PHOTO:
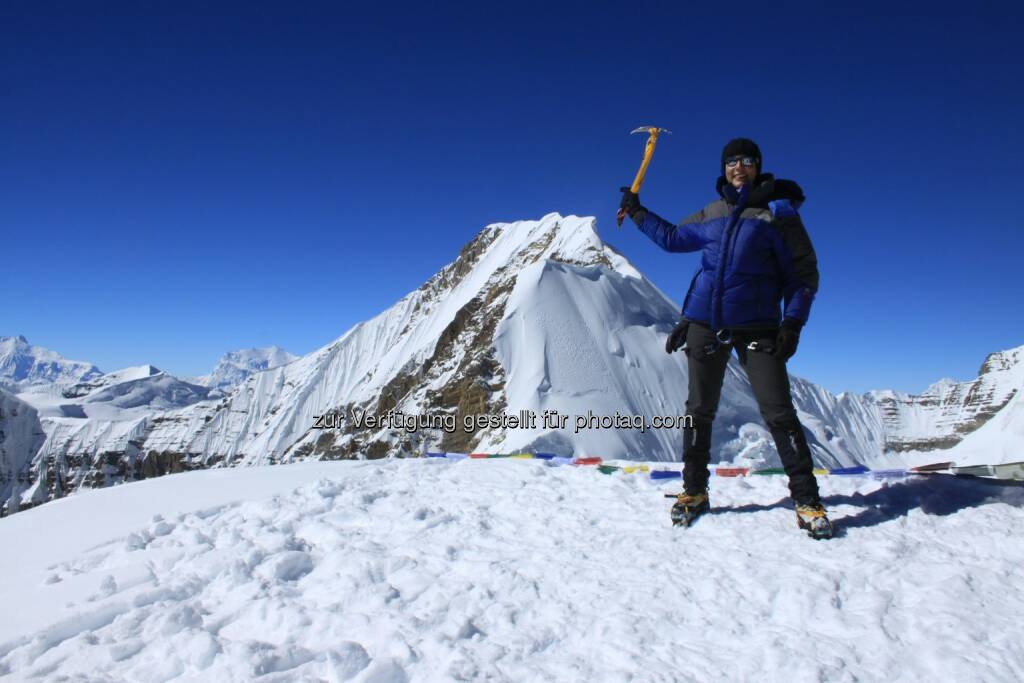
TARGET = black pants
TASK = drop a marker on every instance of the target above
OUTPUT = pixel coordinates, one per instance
(707, 360)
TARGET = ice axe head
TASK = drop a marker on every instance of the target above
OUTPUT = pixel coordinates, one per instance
(652, 138)
(652, 130)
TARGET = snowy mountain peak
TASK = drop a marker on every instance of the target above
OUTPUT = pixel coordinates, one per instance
(273, 354)
(23, 365)
(136, 372)
(1010, 360)
(80, 389)
(566, 239)
(939, 387)
(234, 367)
(434, 352)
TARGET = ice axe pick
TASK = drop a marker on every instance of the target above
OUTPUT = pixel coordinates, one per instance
(652, 140)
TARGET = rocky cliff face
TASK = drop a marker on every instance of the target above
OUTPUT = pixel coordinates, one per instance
(21, 435)
(948, 411)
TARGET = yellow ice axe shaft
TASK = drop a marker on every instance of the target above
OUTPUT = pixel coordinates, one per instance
(652, 140)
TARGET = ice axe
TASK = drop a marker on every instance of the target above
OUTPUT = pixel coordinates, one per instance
(652, 139)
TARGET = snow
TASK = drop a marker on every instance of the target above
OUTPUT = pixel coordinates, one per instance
(1000, 440)
(509, 570)
(127, 374)
(24, 365)
(21, 435)
(950, 409)
(580, 338)
(126, 394)
(235, 366)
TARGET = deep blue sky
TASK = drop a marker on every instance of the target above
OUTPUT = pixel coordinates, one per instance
(178, 181)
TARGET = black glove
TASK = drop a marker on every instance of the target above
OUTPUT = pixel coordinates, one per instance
(787, 339)
(630, 201)
(677, 337)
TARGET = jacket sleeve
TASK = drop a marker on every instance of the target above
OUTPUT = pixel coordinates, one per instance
(687, 236)
(797, 261)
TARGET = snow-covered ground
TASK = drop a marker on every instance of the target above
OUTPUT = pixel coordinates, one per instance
(431, 570)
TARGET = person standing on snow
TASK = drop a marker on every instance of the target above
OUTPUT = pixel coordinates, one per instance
(755, 254)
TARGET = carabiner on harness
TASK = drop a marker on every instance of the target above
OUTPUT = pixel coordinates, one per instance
(759, 346)
(722, 338)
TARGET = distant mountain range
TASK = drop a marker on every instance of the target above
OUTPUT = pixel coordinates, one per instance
(235, 366)
(23, 365)
(530, 317)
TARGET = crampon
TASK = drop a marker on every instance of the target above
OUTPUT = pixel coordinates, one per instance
(813, 520)
(688, 507)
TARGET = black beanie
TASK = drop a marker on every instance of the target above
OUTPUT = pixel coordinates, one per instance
(741, 147)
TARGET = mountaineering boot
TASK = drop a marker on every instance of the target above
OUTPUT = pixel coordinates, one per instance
(812, 519)
(688, 507)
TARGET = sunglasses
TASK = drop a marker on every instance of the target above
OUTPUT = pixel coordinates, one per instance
(733, 162)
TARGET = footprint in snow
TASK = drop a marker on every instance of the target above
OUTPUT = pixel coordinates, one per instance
(290, 565)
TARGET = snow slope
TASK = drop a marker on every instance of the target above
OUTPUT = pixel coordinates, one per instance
(509, 571)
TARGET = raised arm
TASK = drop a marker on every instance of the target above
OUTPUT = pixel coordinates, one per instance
(683, 237)
(687, 236)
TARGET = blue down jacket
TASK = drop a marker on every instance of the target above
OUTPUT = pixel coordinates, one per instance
(755, 254)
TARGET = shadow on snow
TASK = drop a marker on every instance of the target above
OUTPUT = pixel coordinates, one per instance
(935, 494)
